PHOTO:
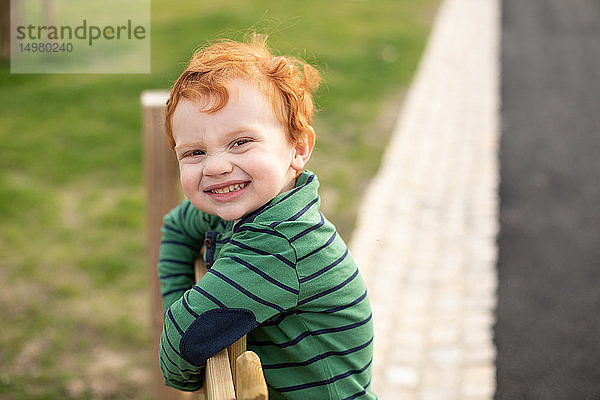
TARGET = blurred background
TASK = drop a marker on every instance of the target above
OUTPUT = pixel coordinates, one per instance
(74, 297)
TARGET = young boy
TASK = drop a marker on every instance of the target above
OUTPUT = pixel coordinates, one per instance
(239, 120)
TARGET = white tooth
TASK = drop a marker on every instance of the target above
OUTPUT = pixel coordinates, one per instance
(228, 189)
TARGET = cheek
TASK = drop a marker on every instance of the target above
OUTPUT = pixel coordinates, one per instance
(267, 167)
(277, 157)
(188, 178)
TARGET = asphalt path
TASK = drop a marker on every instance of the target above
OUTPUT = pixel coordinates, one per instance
(548, 321)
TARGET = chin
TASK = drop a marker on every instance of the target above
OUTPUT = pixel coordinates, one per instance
(230, 215)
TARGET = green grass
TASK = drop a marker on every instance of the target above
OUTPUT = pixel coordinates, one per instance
(73, 304)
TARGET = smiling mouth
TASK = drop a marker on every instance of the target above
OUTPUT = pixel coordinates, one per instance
(229, 189)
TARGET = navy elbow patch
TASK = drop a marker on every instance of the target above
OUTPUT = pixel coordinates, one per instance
(213, 331)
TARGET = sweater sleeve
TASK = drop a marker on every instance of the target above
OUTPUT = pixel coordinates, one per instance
(253, 279)
(182, 238)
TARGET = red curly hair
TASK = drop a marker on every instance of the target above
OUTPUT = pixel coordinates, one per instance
(287, 82)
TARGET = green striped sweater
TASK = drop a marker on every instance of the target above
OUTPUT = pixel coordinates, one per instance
(282, 276)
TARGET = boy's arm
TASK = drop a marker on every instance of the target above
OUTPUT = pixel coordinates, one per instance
(253, 279)
(182, 238)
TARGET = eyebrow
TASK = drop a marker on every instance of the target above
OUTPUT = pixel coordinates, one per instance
(186, 146)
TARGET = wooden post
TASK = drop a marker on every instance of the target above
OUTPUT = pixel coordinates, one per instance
(218, 383)
(234, 351)
(162, 194)
(5, 24)
(219, 375)
(250, 381)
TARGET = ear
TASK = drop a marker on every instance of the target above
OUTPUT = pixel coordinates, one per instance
(303, 149)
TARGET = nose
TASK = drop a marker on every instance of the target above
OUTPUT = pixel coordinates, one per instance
(217, 164)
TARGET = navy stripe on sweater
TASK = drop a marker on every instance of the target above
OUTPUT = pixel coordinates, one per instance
(172, 347)
(263, 253)
(320, 248)
(264, 275)
(163, 365)
(319, 357)
(186, 274)
(244, 291)
(327, 268)
(286, 314)
(170, 314)
(298, 214)
(303, 335)
(325, 381)
(185, 301)
(260, 230)
(170, 228)
(173, 362)
(294, 191)
(355, 302)
(174, 291)
(182, 216)
(209, 296)
(171, 260)
(333, 289)
(189, 246)
(362, 392)
(309, 230)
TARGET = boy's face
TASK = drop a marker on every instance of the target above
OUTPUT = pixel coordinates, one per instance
(237, 159)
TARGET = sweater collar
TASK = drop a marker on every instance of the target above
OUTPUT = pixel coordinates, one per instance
(305, 190)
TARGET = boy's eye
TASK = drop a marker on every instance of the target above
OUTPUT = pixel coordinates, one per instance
(240, 142)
